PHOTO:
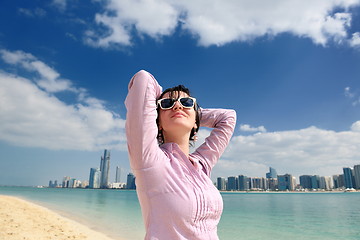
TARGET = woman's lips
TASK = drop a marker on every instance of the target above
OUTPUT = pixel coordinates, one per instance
(177, 115)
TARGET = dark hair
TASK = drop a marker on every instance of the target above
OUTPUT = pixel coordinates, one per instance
(175, 92)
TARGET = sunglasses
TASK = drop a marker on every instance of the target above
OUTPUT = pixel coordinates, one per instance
(168, 103)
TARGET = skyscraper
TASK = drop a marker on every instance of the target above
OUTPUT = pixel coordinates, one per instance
(243, 183)
(94, 179)
(221, 184)
(118, 174)
(104, 168)
(130, 183)
(65, 182)
(348, 177)
(357, 176)
(231, 183)
(305, 181)
(315, 181)
(286, 182)
(272, 173)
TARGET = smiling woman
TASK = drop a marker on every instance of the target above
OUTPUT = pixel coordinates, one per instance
(177, 197)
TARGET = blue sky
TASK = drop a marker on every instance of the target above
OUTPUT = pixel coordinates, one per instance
(289, 68)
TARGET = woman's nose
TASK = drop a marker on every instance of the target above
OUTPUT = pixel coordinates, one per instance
(177, 106)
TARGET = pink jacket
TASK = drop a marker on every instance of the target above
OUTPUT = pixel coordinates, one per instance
(178, 199)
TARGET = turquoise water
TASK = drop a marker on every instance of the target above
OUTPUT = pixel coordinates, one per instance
(248, 216)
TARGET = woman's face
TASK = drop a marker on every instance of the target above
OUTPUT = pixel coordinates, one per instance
(177, 120)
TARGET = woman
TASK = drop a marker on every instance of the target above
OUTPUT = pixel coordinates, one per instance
(177, 197)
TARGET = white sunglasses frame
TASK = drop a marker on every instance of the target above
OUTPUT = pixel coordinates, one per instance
(177, 100)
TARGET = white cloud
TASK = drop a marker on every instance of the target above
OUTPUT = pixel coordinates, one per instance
(305, 151)
(49, 79)
(37, 12)
(248, 128)
(152, 17)
(216, 22)
(32, 116)
(352, 95)
(355, 40)
(60, 4)
(355, 126)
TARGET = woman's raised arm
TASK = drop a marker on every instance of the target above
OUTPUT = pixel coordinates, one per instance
(141, 128)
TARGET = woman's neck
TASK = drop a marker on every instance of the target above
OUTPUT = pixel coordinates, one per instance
(182, 141)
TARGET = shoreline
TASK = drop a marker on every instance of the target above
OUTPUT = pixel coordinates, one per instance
(23, 219)
(256, 191)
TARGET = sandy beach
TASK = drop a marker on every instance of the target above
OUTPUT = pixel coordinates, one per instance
(20, 219)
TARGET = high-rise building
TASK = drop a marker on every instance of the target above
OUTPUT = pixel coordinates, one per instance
(221, 184)
(243, 183)
(271, 183)
(357, 176)
(65, 182)
(272, 173)
(231, 183)
(118, 174)
(258, 183)
(336, 181)
(73, 183)
(322, 183)
(305, 181)
(348, 177)
(130, 182)
(104, 168)
(286, 182)
(328, 183)
(94, 178)
(315, 181)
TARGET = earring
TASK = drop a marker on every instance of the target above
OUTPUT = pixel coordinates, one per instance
(160, 137)
(195, 137)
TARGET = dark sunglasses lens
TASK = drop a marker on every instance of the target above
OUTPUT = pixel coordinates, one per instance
(187, 102)
(167, 103)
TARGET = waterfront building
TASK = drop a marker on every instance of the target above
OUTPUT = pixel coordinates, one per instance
(130, 183)
(305, 181)
(258, 183)
(94, 178)
(315, 181)
(348, 177)
(357, 176)
(328, 183)
(232, 184)
(271, 183)
(272, 173)
(322, 184)
(65, 182)
(221, 184)
(243, 183)
(338, 181)
(117, 185)
(118, 174)
(73, 183)
(286, 182)
(250, 183)
(104, 169)
(84, 184)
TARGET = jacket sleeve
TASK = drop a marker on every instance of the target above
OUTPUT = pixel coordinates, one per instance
(141, 128)
(223, 123)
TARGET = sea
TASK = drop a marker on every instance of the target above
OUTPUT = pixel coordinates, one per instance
(246, 215)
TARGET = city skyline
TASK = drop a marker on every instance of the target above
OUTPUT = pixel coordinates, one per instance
(350, 178)
(291, 74)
